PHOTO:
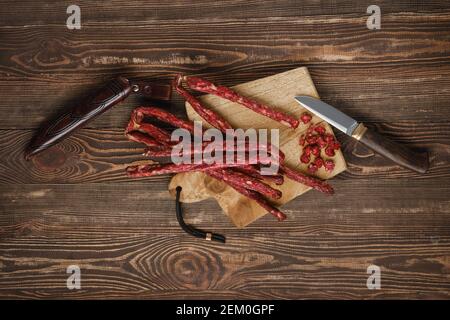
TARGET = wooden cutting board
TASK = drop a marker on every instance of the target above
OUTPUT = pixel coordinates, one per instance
(277, 91)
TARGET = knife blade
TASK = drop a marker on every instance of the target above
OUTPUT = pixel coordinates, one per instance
(401, 155)
(111, 94)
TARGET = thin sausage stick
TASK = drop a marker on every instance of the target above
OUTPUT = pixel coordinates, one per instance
(136, 125)
(159, 134)
(205, 86)
(248, 160)
(164, 116)
(251, 183)
(309, 181)
(248, 148)
(249, 194)
(228, 175)
(208, 115)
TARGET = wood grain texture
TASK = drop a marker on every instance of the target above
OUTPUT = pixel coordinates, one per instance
(75, 205)
(101, 155)
(134, 247)
(346, 60)
(51, 11)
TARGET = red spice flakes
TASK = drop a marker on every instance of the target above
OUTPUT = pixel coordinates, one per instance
(305, 117)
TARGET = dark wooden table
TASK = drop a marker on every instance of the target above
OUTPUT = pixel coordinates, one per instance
(76, 207)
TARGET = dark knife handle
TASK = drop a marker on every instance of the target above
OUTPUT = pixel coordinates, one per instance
(398, 153)
(113, 93)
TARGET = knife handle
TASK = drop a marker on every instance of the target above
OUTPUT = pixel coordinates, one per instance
(108, 96)
(398, 153)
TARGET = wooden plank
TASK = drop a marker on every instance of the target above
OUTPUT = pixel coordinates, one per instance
(397, 63)
(323, 252)
(94, 155)
(397, 205)
(53, 11)
(54, 54)
(408, 99)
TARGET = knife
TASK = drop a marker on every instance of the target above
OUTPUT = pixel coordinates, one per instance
(401, 155)
(111, 94)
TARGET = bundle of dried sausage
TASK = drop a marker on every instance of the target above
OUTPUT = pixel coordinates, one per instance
(244, 176)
